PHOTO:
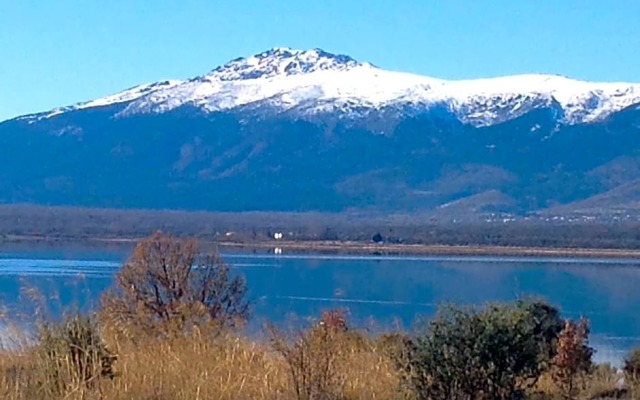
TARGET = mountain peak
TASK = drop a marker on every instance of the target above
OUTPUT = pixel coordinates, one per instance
(282, 61)
(311, 83)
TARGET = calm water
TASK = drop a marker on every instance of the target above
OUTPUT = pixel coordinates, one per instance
(379, 292)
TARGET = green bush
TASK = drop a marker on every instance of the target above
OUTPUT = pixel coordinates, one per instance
(494, 353)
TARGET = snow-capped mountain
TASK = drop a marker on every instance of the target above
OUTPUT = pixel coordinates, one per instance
(308, 83)
(294, 130)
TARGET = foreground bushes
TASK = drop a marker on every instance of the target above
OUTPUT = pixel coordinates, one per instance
(66, 357)
(495, 353)
(324, 361)
(71, 356)
(169, 329)
(191, 366)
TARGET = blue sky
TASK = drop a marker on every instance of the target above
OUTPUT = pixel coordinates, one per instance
(55, 53)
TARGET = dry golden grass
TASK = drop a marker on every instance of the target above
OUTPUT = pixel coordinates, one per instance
(196, 367)
(371, 374)
(603, 382)
(228, 367)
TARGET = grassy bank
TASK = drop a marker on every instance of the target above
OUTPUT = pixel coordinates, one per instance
(194, 367)
(343, 365)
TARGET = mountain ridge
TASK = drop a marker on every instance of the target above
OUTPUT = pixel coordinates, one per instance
(330, 133)
(284, 78)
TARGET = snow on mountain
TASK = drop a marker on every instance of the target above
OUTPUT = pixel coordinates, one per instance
(582, 102)
(122, 97)
(314, 82)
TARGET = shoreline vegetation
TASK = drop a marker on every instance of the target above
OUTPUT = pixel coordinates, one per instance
(172, 328)
(357, 233)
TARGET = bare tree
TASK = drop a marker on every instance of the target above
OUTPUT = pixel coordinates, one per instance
(168, 284)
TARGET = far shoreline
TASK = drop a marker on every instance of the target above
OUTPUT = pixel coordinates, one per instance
(383, 249)
(355, 248)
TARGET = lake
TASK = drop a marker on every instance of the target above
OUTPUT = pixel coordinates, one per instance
(380, 293)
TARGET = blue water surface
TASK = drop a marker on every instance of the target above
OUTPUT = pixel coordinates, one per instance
(380, 293)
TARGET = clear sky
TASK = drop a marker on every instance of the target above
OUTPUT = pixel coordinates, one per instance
(58, 52)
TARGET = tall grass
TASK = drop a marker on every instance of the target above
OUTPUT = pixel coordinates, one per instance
(67, 361)
(197, 366)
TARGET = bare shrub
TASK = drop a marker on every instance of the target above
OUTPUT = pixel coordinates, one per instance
(572, 361)
(313, 359)
(168, 286)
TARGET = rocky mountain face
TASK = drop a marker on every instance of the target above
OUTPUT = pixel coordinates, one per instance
(309, 130)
